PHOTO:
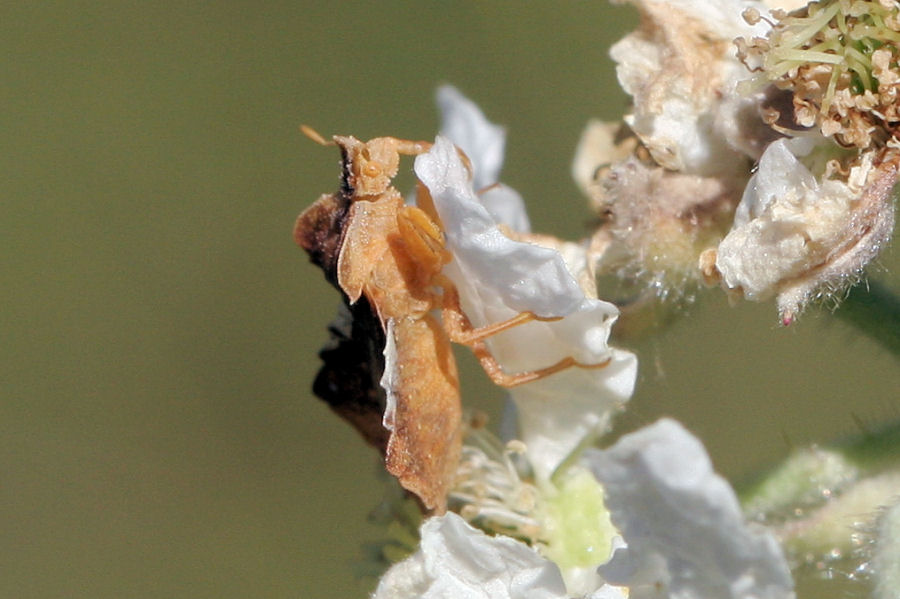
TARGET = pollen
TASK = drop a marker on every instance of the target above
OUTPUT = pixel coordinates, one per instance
(839, 60)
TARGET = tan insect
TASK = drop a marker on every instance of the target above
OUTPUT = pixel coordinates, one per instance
(390, 255)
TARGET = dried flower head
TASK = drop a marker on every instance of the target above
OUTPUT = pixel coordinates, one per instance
(666, 182)
(670, 183)
(681, 69)
(838, 60)
(654, 222)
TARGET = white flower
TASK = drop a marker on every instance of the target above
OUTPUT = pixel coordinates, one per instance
(685, 535)
(456, 561)
(499, 278)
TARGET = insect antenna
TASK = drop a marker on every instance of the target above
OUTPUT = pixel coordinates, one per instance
(315, 135)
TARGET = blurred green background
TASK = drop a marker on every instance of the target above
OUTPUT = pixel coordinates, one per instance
(157, 433)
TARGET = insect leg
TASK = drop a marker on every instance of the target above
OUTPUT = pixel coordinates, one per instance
(460, 330)
(500, 377)
(410, 148)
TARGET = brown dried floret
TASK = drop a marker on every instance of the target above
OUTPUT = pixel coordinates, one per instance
(839, 60)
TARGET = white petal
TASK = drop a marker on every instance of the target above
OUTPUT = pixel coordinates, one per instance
(466, 126)
(455, 561)
(559, 413)
(682, 524)
(610, 592)
(523, 276)
(506, 206)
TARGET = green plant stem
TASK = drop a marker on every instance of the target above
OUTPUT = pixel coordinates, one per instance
(874, 310)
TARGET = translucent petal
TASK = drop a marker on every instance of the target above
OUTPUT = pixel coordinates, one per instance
(465, 125)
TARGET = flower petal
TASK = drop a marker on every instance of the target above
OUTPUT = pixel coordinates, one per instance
(467, 127)
(456, 561)
(780, 207)
(682, 522)
(794, 234)
(560, 413)
(522, 276)
(506, 206)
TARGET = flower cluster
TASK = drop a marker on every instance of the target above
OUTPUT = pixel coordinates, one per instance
(682, 535)
(718, 175)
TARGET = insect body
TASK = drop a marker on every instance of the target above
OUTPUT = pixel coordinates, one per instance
(371, 246)
(386, 257)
